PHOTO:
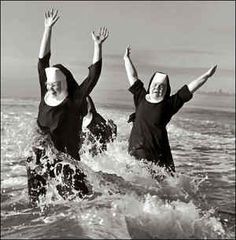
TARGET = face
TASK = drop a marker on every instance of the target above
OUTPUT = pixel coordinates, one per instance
(54, 87)
(158, 86)
(56, 81)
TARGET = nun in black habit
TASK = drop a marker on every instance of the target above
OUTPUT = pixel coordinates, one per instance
(60, 116)
(154, 109)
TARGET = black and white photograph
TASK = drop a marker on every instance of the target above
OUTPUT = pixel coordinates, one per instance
(117, 119)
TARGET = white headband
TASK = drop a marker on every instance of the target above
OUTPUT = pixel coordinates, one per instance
(159, 77)
(55, 74)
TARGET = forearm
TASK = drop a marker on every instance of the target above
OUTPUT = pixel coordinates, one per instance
(97, 54)
(197, 83)
(89, 82)
(130, 70)
(45, 46)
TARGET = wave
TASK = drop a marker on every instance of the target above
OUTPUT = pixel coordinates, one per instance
(126, 201)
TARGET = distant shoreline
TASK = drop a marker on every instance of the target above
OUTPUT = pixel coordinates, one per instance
(131, 108)
(118, 103)
(215, 93)
(219, 93)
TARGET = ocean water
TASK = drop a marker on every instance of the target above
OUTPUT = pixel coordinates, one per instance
(198, 203)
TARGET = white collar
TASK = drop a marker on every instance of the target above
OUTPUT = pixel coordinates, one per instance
(55, 101)
(149, 99)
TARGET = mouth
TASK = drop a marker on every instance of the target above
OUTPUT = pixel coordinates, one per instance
(157, 92)
(53, 92)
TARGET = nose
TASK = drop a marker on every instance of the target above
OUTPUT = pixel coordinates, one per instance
(158, 87)
(51, 88)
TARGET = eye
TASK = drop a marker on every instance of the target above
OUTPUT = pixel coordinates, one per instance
(55, 84)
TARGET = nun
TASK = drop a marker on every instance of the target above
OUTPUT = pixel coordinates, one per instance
(154, 109)
(60, 116)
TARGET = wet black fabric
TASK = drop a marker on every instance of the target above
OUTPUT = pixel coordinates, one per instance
(101, 131)
(64, 122)
(46, 166)
(148, 138)
(101, 128)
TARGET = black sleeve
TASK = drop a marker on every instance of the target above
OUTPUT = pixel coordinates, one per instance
(42, 64)
(131, 117)
(90, 81)
(178, 99)
(138, 90)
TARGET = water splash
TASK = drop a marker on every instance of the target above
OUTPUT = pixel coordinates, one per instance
(126, 201)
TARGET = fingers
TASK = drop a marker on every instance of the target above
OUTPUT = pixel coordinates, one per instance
(55, 15)
(55, 20)
(51, 14)
(100, 31)
(51, 17)
(215, 67)
(106, 33)
(213, 70)
(93, 34)
(103, 34)
(128, 50)
(46, 15)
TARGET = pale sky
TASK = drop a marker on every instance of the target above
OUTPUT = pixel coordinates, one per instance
(180, 38)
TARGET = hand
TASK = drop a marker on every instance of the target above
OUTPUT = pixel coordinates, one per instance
(210, 72)
(127, 52)
(101, 37)
(50, 18)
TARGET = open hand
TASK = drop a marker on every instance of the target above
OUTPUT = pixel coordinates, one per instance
(101, 37)
(50, 18)
(127, 52)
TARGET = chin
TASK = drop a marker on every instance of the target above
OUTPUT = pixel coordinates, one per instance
(156, 96)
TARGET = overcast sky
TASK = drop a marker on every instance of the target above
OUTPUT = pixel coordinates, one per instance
(183, 39)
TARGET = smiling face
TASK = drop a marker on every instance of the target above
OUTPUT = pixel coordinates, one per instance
(158, 86)
(54, 87)
(56, 81)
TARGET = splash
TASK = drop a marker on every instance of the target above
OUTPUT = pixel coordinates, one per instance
(127, 199)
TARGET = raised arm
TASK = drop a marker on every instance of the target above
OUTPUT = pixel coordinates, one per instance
(95, 69)
(197, 83)
(130, 69)
(98, 41)
(44, 52)
(50, 19)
